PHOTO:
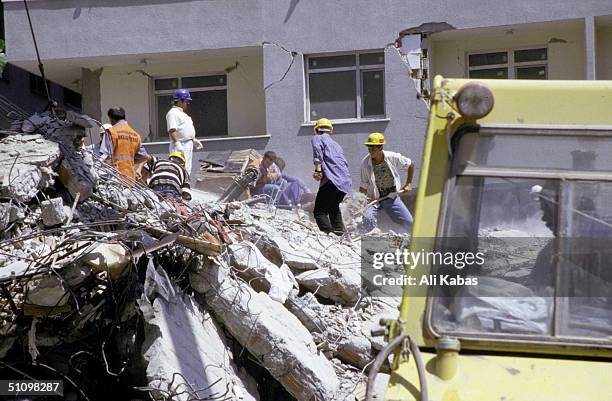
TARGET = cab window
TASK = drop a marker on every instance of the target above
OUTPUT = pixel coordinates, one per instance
(546, 235)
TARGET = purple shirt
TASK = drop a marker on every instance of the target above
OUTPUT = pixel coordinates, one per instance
(333, 162)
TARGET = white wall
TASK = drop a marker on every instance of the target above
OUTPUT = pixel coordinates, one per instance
(565, 60)
(126, 86)
(604, 52)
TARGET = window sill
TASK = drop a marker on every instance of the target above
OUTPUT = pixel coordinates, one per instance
(350, 121)
(223, 138)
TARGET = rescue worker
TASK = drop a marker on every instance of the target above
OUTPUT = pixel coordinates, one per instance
(94, 147)
(380, 176)
(180, 127)
(121, 146)
(168, 177)
(295, 191)
(331, 170)
(269, 176)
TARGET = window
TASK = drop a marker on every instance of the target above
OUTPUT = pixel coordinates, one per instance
(346, 86)
(6, 73)
(545, 230)
(208, 108)
(72, 98)
(37, 85)
(509, 64)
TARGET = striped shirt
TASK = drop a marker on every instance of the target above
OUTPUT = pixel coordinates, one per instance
(165, 172)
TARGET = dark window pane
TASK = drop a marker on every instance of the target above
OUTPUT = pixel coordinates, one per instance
(373, 97)
(530, 55)
(331, 61)
(37, 85)
(333, 95)
(209, 113)
(164, 103)
(490, 73)
(166, 84)
(488, 59)
(372, 58)
(6, 73)
(72, 98)
(536, 72)
(205, 81)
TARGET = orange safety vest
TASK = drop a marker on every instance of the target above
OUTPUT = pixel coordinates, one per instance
(126, 143)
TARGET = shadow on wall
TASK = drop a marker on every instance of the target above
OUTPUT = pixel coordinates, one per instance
(291, 9)
(361, 127)
(89, 4)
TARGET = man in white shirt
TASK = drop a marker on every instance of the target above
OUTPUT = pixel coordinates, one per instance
(180, 127)
(380, 176)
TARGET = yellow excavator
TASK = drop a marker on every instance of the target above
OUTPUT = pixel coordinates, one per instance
(519, 171)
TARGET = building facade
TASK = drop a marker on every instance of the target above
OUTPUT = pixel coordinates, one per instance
(262, 71)
(26, 90)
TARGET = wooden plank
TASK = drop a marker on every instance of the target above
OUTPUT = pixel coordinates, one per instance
(195, 244)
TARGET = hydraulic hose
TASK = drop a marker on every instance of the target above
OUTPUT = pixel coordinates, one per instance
(382, 356)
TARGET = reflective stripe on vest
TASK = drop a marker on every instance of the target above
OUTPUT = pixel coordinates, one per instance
(126, 142)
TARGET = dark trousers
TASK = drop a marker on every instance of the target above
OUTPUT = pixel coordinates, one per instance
(327, 209)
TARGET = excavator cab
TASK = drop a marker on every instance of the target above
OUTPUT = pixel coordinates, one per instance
(518, 173)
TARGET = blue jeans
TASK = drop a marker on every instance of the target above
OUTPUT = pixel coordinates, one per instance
(395, 208)
(272, 190)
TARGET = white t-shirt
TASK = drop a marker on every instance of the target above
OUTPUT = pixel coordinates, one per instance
(180, 121)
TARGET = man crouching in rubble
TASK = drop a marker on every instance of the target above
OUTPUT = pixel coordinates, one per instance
(169, 179)
(269, 176)
(380, 180)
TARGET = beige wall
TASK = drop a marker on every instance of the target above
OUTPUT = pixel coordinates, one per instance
(604, 52)
(127, 87)
(565, 60)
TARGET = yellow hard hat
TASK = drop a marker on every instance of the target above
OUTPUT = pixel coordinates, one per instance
(323, 123)
(179, 155)
(375, 138)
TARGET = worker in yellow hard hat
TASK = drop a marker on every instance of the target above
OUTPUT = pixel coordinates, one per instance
(178, 156)
(169, 178)
(380, 180)
(331, 170)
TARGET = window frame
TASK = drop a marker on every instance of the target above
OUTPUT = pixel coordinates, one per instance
(510, 341)
(66, 93)
(35, 79)
(359, 112)
(511, 65)
(156, 136)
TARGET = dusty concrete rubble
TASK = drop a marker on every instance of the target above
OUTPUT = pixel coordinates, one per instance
(113, 291)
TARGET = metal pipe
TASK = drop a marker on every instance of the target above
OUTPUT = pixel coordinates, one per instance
(382, 357)
(41, 67)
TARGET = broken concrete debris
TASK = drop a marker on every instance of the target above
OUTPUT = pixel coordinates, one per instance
(186, 349)
(110, 287)
(26, 163)
(270, 332)
(53, 212)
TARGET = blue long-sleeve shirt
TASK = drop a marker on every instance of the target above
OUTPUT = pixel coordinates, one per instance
(330, 155)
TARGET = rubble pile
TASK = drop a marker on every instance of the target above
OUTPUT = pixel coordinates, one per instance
(107, 287)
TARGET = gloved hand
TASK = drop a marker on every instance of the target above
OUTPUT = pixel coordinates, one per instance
(198, 144)
(178, 146)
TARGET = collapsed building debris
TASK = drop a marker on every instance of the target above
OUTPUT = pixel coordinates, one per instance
(109, 288)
